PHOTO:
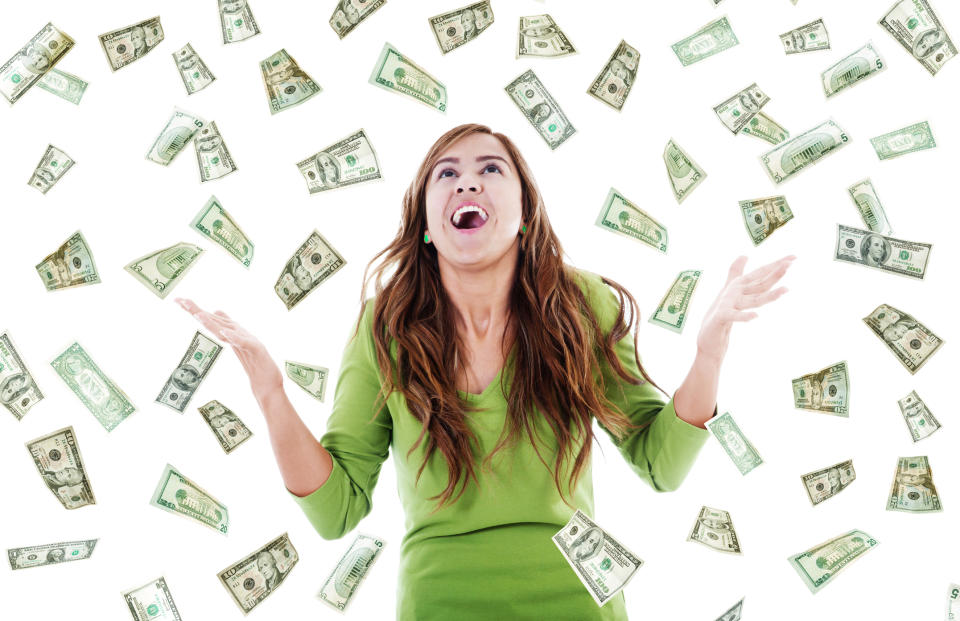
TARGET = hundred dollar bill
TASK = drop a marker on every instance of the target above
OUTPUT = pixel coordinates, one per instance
(50, 553)
(215, 223)
(914, 24)
(131, 43)
(684, 174)
(807, 38)
(64, 85)
(714, 529)
(287, 84)
(350, 571)
(186, 378)
(603, 564)
(152, 602)
(909, 340)
(53, 165)
(671, 313)
(763, 216)
(910, 139)
(737, 111)
(175, 135)
(827, 390)
(18, 390)
(713, 38)
(734, 443)
(462, 25)
(793, 155)
(101, 395)
(70, 266)
(314, 262)
(250, 580)
(621, 216)
(57, 457)
(762, 126)
(178, 494)
(227, 426)
(861, 64)
(312, 379)
(542, 111)
(827, 482)
(36, 58)
(613, 83)
(913, 489)
(349, 13)
(236, 20)
(824, 561)
(396, 73)
(346, 162)
(880, 252)
(540, 37)
(162, 270)
(734, 613)
(953, 602)
(920, 420)
(193, 71)
(213, 158)
(870, 207)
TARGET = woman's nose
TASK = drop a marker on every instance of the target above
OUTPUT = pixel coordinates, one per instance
(473, 188)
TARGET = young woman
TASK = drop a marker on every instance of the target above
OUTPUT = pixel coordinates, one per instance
(483, 363)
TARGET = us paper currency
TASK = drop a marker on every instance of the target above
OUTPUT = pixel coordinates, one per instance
(714, 529)
(346, 162)
(763, 216)
(64, 85)
(287, 84)
(953, 602)
(125, 45)
(684, 174)
(71, 265)
(314, 262)
(827, 390)
(213, 158)
(349, 13)
(613, 83)
(193, 71)
(827, 482)
(340, 586)
(539, 36)
(881, 252)
(807, 38)
(734, 613)
(603, 564)
(910, 139)
(737, 111)
(311, 378)
(57, 457)
(914, 24)
(793, 155)
(225, 425)
(459, 26)
(236, 20)
(671, 313)
(53, 165)
(101, 395)
(920, 420)
(18, 390)
(713, 38)
(863, 63)
(178, 494)
(821, 563)
(36, 58)
(765, 128)
(152, 602)
(871, 209)
(396, 73)
(542, 111)
(250, 580)
(162, 270)
(186, 378)
(50, 553)
(213, 222)
(909, 340)
(913, 489)
(174, 136)
(734, 443)
(621, 216)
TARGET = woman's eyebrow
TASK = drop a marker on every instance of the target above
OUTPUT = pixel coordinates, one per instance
(480, 158)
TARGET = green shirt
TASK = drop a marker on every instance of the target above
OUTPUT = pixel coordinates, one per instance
(489, 555)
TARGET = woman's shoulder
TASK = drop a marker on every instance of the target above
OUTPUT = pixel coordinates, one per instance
(599, 295)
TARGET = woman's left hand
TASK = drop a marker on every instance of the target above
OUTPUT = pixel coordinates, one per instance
(742, 291)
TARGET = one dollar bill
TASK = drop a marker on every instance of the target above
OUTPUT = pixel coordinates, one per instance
(177, 494)
(920, 420)
(863, 63)
(311, 378)
(64, 85)
(341, 585)
(100, 394)
(214, 223)
(740, 451)
(396, 73)
(18, 390)
(160, 271)
(543, 112)
(130, 43)
(621, 216)
(881, 252)
(348, 161)
(193, 368)
(827, 390)
(865, 197)
(763, 216)
(152, 602)
(821, 563)
(225, 425)
(33, 61)
(313, 263)
(913, 490)
(910, 139)
(459, 26)
(671, 313)
(57, 458)
(914, 24)
(909, 340)
(828, 482)
(713, 38)
(253, 578)
(791, 156)
(50, 553)
(714, 529)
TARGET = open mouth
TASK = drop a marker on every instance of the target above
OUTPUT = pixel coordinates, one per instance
(469, 216)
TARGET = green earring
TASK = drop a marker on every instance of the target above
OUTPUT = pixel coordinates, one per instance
(426, 237)
(523, 229)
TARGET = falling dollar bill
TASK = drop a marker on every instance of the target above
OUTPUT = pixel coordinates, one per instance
(64, 85)
(314, 262)
(50, 553)
(542, 111)
(914, 24)
(821, 563)
(909, 340)
(793, 155)
(736, 610)
(621, 216)
(227, 426)
(346, 162)
(213, 158)
(913, 490)
(53, 165)
(827, 482)
(34, 59)
(340, 586)
(236, 20)
(459, 26)
(714, 529)
(311, 378)
(763, 216)
(613, 83)
(349, 13)
(881, 252)
(125, 45)
(174, 136)
(807, 38)
(734, 443)
(603, 564)
(863, 63)
(287, 84)
(250, 580)
(737, 111)
(713, 38)
(671, 313)
(539, 36)
(152, 602)
(953, 602)
(684, 174)
(213, 222)
(396, 73)
(57, 457)
(70, 266)
(18, 390)
(910, 139)
(162, 270)
(178, 494)
(186, 378)
(101, 395)
(193, 71)
(765, 128)
(920, 420)
(827, 390)
(871, 209)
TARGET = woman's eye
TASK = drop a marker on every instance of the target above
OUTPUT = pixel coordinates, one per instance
(443, 173)
(493, 166)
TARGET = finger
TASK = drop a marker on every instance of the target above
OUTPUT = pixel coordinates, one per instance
(765, 270)
(768, 281)
(188, 305)
(737, 268)
(737, 315)
(222, 315)
(752, 301)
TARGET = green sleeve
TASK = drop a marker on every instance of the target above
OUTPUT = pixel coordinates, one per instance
(358, 446)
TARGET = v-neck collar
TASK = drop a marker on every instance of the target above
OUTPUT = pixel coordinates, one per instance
(472, 396)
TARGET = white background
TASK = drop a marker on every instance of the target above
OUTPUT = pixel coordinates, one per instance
(127, 206)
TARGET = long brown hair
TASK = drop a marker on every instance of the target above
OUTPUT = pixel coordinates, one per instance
(554, 345)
